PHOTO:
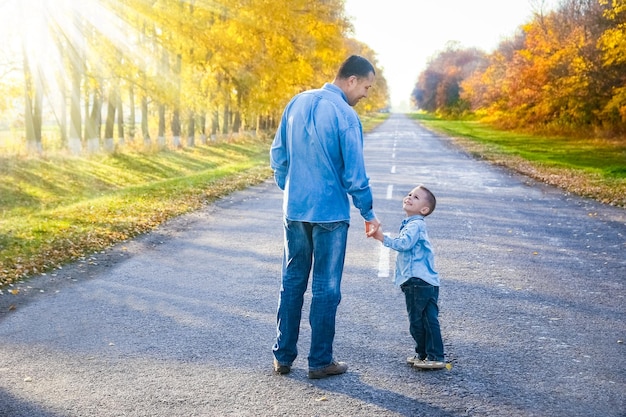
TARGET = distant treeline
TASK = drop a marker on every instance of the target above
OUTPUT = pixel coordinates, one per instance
(562, 72)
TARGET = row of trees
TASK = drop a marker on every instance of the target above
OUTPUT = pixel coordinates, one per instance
(564, 71)
(182, 68)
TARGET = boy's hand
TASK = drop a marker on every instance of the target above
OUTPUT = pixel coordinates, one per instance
(378, 234)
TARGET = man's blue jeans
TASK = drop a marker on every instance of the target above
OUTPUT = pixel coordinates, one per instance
(321, 247)
(421, 305)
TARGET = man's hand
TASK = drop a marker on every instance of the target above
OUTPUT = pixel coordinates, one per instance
(371, 227)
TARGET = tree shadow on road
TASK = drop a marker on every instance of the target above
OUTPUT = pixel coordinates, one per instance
(13, 406)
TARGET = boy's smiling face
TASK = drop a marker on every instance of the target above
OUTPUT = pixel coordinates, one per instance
(416, 203)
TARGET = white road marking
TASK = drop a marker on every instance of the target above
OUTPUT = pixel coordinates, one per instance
(389, 191)
(383, 261)
(383, 255)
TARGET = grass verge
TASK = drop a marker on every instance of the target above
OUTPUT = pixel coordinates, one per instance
(57, 209)
(592, 167)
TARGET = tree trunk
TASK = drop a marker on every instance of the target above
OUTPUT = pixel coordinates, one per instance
(120, 122)
(215, 124)
(165, 67)
(176, 114)
(92, 125)
(226, 120)
(109, 124)
(237, 122)
(237, 119)
(33, 99)
(161, 134)
(203, 129)
(191, 130)
(145, 133)
(74, 142)
(63, 121)
(176, 128)
(132, 129)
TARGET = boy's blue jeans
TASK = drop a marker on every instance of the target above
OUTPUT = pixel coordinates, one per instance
(322, 247)
(421, 305)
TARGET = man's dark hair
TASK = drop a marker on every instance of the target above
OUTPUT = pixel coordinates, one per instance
(355, 65)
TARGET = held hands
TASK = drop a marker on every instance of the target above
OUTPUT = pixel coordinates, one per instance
(374, 229)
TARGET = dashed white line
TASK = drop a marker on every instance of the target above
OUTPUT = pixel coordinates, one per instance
(389, 191)
(383, 262)
(383, 255)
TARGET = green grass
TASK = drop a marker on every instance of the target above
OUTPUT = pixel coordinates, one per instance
(370, 121)
(590, 167)
(55, 209)
(59, 208)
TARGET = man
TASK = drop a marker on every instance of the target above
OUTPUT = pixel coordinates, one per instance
(317, 158)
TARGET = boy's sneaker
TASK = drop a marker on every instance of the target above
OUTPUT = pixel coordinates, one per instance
(281, 369)
(335, 368)
(428, 364)
(412, 360)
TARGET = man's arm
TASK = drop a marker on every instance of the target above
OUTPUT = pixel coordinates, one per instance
(279, 160)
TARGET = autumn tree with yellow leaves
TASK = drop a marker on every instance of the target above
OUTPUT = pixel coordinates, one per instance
(182, 69)
(562, 72)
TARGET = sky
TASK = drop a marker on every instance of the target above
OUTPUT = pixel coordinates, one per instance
(406, 33)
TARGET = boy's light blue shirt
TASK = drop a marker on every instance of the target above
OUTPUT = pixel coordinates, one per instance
(317, 158)
(415, 253)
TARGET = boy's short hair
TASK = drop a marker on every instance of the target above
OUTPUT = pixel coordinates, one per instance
(430, 198)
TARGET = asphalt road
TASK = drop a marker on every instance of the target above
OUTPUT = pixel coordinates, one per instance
(180, 322)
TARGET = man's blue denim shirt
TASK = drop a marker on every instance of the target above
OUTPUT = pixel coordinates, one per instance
(415, 253)
(317, 158)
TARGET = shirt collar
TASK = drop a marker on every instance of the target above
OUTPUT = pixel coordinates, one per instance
(335, 89)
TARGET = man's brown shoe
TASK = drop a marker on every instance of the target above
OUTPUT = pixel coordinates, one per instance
(335, 368)
(281, 369)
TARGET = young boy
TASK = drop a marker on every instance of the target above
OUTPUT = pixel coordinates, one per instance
(416, 276)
